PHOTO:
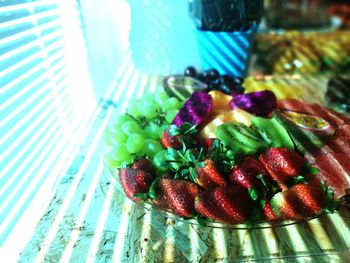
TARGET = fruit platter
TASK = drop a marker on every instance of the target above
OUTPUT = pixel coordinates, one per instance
(216, 155)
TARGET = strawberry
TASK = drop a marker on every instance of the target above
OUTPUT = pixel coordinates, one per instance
(267, 212)
(282, 164)
(285, 206)
(228, 204)
(175, 136)
(144, 164)
(177, 195)
(300, 201)
(245, 174)
(208, 175)
(170, 141)
(135, 181)
(312, 198)
(205, 143)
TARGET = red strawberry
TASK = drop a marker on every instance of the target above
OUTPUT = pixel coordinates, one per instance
(170, 141)
(209, 176)
(311, 198)
(285, 206)
(267, 212)
(135, 181)
(178, 195)
(205, 143)
(282, 164)
(299, 201)
(228, 204)
(245, 174)
(144, 164)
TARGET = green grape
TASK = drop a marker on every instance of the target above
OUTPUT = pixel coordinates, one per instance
(160, 97)
(159, 161)
(121, 119)
(113, 137)
(117, 125)
(134, 108)
(153, 131)
(135, 143)
(152, 147)
(111, 162)
(170, 115)
(149, 109)
(171, 104)
(119, 153)
(130, 127)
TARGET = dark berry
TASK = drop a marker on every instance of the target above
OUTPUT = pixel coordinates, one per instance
(240, 89)
(225, 89)
(231, 85)
(214, 85)
(238, 80)
(203, 77)
(211, 74)
(190, 72)
(226, 79)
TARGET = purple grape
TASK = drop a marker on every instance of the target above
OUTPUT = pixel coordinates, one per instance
(230, 84)
(190, 72)
(211, 74)
(238, 80)
(226, 79)
(214, 85)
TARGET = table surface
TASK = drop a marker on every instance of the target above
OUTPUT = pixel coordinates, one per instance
(89, 220)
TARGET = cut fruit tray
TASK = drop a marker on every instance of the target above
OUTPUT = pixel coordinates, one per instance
(173, 91)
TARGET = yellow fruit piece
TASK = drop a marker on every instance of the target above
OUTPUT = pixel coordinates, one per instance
(236, 115)
(282, 90)
(239, 115)
(221, 102)
(209, 130)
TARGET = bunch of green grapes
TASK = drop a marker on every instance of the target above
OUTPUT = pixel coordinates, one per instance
(138, 131)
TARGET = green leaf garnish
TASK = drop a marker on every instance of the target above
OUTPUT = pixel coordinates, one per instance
(332, 204)
(253, 192)
(201, 220)
(185, 133)
(225, 157)
(309, 169)
(152, 193)
(299, 179)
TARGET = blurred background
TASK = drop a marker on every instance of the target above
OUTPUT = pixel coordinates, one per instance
(66, 66)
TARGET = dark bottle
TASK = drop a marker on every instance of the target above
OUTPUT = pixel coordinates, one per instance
(226, 15)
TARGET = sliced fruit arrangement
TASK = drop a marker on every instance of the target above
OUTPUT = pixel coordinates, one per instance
(274, 160)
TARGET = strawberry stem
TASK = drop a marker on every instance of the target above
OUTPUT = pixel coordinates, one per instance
(253, 192)
(309, 169)
(332, 204)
